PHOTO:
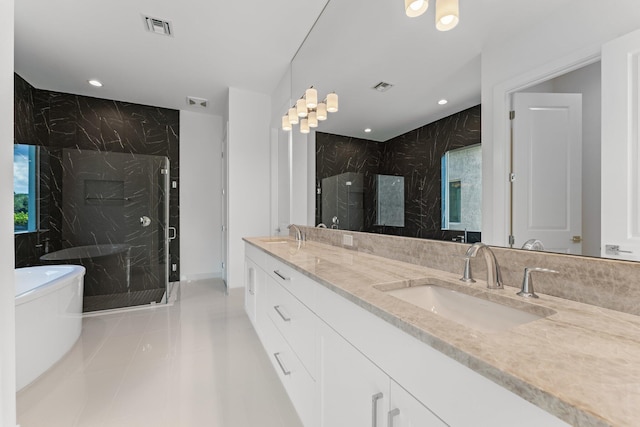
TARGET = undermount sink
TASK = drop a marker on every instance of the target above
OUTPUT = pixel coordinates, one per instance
(468, 310)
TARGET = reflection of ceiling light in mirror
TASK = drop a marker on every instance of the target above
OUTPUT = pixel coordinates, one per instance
(293, 116)
(447, 14)
(285, 123)
(442, 101)
(307, 111)
(311, 96)
(367, 130)
(301, 107)
(94, 82)
(304, 126)
(332, 102)
(321, 111)
(415, 8)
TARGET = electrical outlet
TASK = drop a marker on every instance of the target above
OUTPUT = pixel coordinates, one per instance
(347, 239)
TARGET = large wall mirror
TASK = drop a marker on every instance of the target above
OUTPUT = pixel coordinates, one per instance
(356, 45)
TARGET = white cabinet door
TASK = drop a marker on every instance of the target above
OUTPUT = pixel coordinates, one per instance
(354, 391)
(621, 148)
(406, 411)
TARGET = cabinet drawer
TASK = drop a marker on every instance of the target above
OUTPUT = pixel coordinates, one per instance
(299, 385)
(295, 282)
(296, 323)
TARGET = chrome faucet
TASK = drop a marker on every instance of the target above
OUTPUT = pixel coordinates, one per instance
(533, 245)
(299, 234)
(494, 277)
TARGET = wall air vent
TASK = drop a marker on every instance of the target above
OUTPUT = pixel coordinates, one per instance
(198, 102)
(157, 26)
(382, 87)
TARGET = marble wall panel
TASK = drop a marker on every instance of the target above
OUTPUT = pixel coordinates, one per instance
(415, 155)
(65, 121)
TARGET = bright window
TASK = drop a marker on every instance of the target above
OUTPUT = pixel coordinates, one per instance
(24, 188)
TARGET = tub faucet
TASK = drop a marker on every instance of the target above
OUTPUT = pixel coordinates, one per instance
(299, 233)
(494, 277)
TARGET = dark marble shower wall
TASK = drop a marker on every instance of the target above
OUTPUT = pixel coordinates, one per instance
(415, 155)
(60, 121)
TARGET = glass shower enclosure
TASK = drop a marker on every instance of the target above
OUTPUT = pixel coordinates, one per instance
(115, 212)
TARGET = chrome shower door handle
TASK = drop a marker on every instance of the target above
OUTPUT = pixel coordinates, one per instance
(175, 233)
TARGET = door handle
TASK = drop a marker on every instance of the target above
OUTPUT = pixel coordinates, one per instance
(175, 233)
(284, 370)
(277, 309)
(615, 250)
(392, 414)
(374, 409)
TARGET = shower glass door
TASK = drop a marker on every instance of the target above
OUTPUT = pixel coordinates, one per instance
(115, 210)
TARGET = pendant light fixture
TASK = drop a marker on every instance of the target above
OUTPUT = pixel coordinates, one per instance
(293, 116)
(415, 8)
(447, 14)
(307, 111)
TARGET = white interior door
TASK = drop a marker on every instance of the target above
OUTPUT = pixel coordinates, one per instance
(620, 148)
(547, 170)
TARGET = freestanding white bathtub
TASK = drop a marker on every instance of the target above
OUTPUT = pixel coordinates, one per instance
(48, 317)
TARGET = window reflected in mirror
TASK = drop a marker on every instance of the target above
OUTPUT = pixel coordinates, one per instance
(462, 189)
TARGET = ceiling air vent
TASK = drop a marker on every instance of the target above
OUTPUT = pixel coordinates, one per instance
(157, 26)
(382, 87)
(198, 102)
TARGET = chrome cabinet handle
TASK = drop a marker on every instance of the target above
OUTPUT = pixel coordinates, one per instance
(277, 309)
(374, 409)
(284, 370)
(392, 414)
(281, 276)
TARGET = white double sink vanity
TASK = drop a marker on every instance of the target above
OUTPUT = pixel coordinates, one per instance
(362, 340)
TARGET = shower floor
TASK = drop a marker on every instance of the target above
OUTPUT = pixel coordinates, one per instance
(109, 302)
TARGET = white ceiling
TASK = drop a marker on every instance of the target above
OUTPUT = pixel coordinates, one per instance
(249, 44)
(59, 45)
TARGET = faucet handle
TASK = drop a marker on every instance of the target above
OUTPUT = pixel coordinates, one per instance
(527, 282)
(466, 273)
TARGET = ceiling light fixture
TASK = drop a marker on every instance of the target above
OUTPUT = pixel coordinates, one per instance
(447, 12)
(442, 102)
(94, 82)
(308, 111)
(415, 8)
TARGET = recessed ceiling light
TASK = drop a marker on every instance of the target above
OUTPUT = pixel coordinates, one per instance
(442, 101)
(367, 130)
(94, 82)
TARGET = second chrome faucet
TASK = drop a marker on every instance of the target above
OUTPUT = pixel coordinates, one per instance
(494, 277)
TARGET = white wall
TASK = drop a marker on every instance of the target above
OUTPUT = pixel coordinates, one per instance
(569, 38)
(7, 290)
(200, 195)
(249, 155)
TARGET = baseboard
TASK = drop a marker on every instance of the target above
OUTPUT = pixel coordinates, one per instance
(200, 276)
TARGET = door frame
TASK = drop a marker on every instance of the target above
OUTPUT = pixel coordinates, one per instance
(500, 151)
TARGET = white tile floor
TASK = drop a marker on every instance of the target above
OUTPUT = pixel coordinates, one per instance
(196, 363)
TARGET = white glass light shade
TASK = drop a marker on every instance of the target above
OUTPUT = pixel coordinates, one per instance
(321, 111)
(285, 122)
(301, 107)
(447, 14)
(313, 119)
(304, 126)
(293, 116)
(415, 8)
(332, 102)
(311, 96)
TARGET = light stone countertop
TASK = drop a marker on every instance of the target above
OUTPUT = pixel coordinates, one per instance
(581, 363)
